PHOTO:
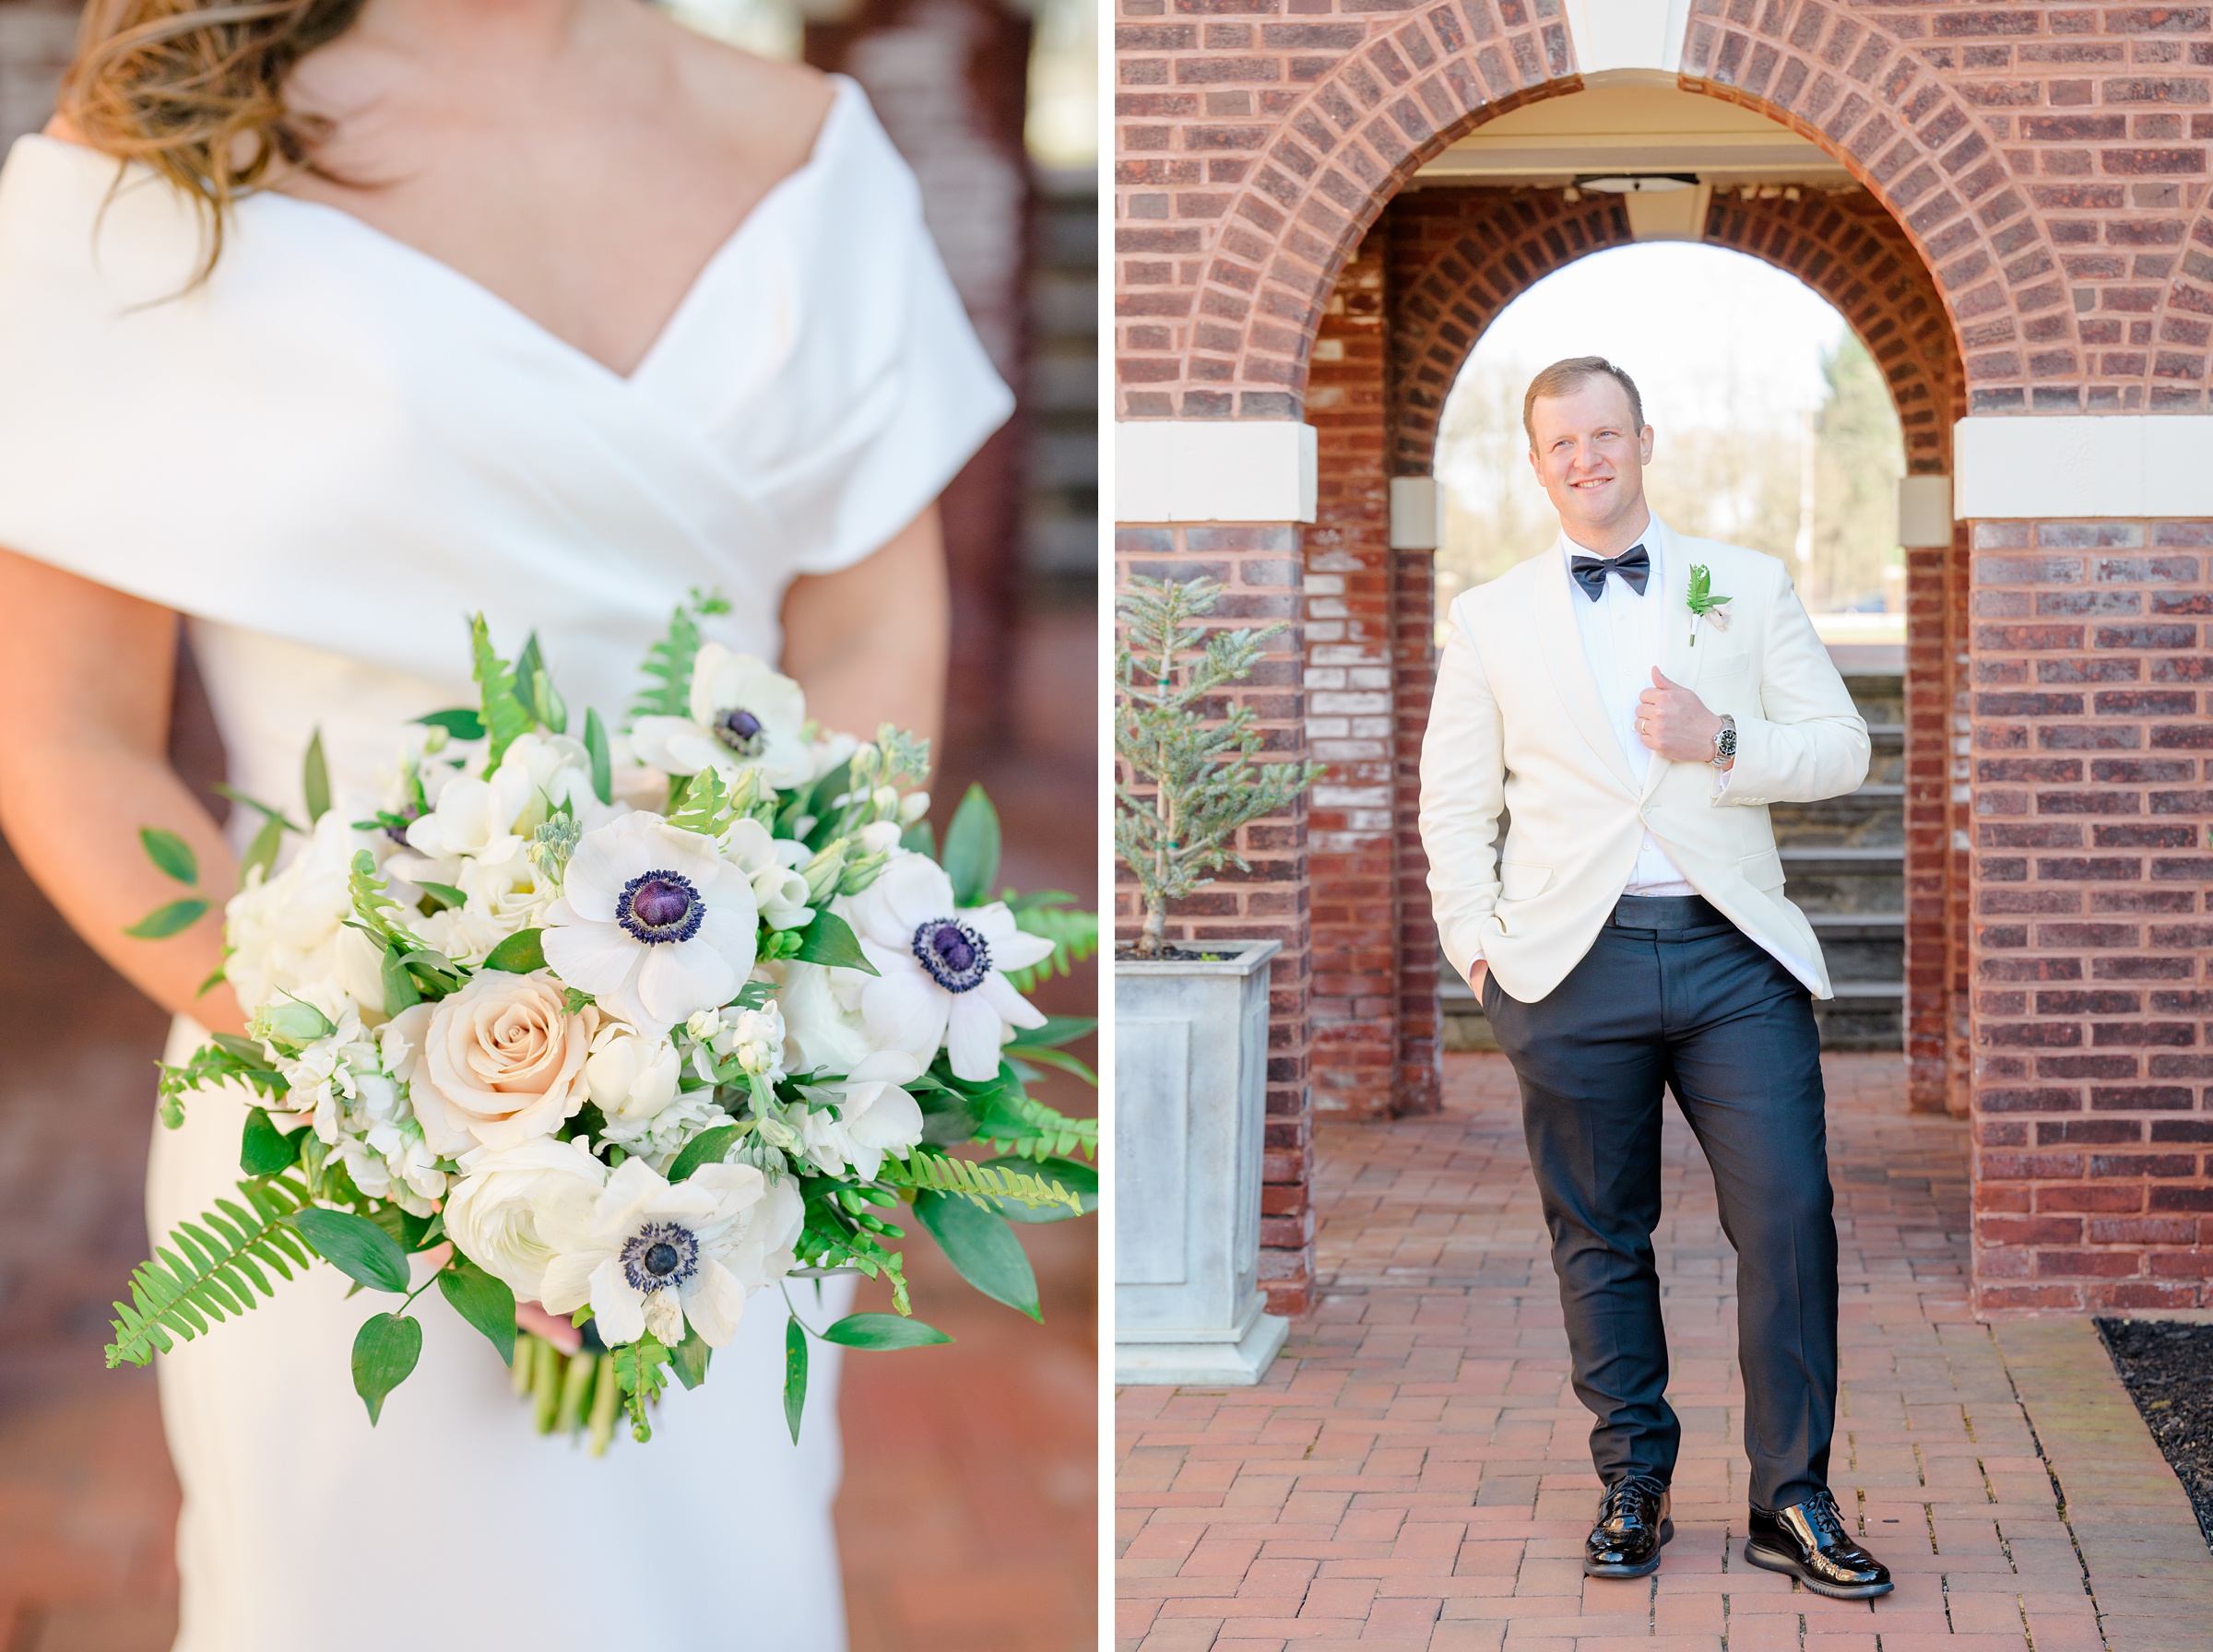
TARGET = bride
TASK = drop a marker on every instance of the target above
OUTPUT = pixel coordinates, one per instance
(318, 316)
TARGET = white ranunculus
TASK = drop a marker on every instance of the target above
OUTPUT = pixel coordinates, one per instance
(503, 1059)
(823, 1028)
(649, 1256)
(505, 1201)
(283, 931)
(630, 1077)
(939, 979)
(874, 1117)
(745, 714)
(653, 922)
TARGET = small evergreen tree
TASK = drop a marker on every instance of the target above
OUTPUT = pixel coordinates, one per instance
(1203, 785)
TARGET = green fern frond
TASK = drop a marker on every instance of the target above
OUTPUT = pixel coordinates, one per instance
(1022, 1128)
(209, 1270)
(668, 691)
(502, 712)
(1074, 935)
(980, 1182)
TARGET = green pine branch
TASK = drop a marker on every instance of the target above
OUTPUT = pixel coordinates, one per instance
(209, 1270)
(1204, 786)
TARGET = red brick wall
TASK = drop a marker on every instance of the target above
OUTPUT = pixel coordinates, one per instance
(2047, 161)
(1259, 566)
(2093, 1122)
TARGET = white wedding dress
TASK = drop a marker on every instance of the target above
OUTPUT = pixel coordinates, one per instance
(329, 456)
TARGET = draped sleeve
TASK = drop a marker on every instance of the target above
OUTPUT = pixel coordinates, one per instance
(340, 442)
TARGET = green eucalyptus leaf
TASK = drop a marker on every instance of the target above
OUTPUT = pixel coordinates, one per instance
(262, 851)
(1058, 1029)
(706, 1148)
(314, 779)
(519, 954)
(165, 921)
(355, 1246)
(595, 748)
(171, 855)
(461, 723)
(882, 1330)
(485, 1302)
(265, 1151)
(829, 940)
(920, 839)
(385, 1351)
(983, 1247)
(445, 895)
(689, 1359)
(971, 857)
(795, 1374)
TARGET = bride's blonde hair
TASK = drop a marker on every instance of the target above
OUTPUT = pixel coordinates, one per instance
(194, 89)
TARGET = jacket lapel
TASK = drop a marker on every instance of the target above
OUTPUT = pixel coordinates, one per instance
(1560, 645)
(1679, 660)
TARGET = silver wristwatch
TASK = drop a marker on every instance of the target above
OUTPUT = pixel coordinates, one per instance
(1725, 744)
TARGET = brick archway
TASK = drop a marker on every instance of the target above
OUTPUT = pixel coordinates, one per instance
(1221, 325)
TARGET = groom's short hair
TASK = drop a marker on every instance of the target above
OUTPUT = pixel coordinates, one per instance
(1562, 377)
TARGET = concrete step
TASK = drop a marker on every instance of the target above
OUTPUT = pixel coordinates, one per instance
(1857, 877)
(1873, 816)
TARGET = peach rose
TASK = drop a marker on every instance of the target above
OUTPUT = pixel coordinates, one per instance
(501, 1061)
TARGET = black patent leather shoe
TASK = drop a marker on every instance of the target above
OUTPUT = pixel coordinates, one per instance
(1807, 1540)
(1632, 1524)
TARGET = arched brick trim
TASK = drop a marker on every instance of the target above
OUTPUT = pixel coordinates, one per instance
(1459, 256)
(1221, 325)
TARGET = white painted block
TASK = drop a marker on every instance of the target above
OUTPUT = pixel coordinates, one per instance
(1925, 510)
(1628, 34)
(1414, 513)
(1668, 214)
(1215, 471)
(2118, 465)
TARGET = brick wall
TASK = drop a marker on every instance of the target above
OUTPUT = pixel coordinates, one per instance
(2093, 1122)
(2048, 163)
(1260, 568)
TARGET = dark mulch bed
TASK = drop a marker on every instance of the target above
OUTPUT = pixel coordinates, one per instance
(2168, 1370)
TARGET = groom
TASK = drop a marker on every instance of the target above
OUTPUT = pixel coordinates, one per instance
(1631, 700)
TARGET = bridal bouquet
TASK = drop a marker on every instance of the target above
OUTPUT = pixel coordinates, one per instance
(634, 1026)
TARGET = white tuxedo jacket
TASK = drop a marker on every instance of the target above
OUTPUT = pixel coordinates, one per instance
(1518, 722)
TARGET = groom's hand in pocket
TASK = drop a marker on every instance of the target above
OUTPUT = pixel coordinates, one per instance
(1674, 722)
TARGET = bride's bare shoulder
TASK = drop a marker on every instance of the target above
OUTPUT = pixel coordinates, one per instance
(764, 105)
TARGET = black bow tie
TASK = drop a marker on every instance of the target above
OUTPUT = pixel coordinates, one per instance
(1632, 564)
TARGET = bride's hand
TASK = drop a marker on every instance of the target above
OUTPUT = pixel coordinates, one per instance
(554, 1328)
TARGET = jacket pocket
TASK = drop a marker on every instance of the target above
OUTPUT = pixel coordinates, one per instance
(1519, 880)
(1762, 871)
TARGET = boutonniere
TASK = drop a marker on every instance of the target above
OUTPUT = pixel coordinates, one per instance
(1703, 604)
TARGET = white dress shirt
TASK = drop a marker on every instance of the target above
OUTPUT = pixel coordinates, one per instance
(1621, 641)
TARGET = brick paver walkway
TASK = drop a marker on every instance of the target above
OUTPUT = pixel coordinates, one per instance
(1414, 1472)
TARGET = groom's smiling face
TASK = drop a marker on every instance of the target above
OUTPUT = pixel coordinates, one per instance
(1587, 450)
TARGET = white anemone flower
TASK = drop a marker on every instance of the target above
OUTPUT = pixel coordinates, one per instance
(649, 1256)
(652, 922)
(874, 1117)
(939, 977)
(745, 714)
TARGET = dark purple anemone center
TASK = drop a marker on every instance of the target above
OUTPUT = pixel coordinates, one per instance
(658, 1255)
(659, 906)
(954, 954)
(741, 732)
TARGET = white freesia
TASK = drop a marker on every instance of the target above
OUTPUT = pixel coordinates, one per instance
(498, 1210)
(343, 1088)
(939, 970)
(653, 922)
(491, 818)
(650, 1255)
(874, 1117)
(754, 1036)
(745, 714)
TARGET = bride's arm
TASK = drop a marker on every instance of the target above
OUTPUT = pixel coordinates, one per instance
(868, 643)
(85, 681)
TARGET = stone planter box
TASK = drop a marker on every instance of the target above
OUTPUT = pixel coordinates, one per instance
(1190, 1053)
